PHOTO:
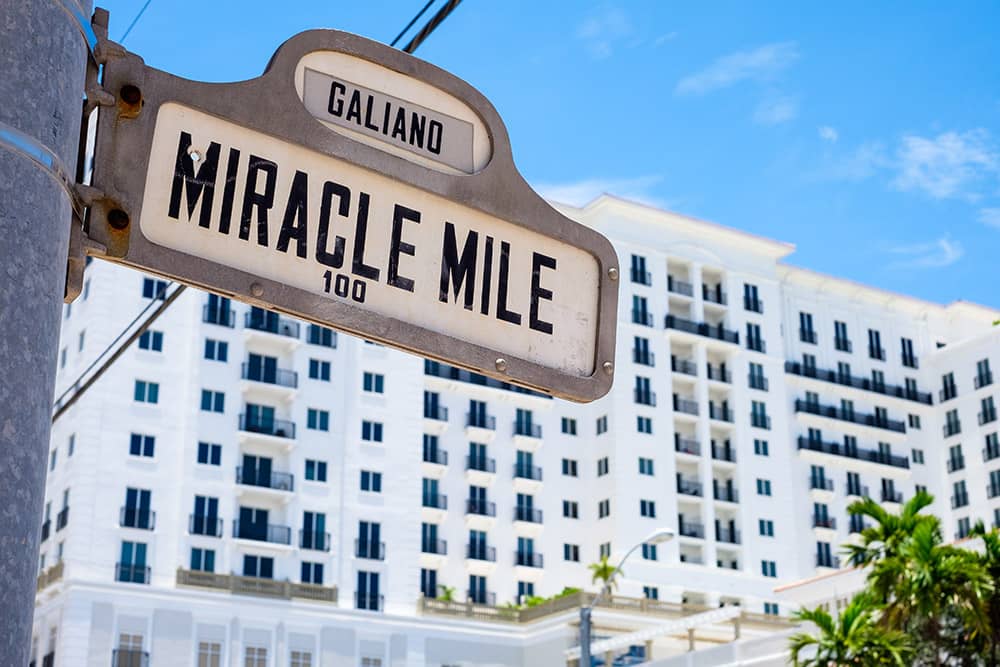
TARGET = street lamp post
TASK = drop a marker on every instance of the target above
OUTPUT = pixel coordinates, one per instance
(657, 537)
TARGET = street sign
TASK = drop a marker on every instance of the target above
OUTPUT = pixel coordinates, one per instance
(360, 188)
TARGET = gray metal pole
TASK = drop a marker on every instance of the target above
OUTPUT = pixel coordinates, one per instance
(585, 637)
(42, 67)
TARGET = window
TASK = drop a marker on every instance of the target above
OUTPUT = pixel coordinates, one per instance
(371, 431)
(569, 467)
(317, 420)
(52, 458)
(71, 445)
(62, 358)
(603, 466)
(571, 509)
(639, 273)
(146, 392)
(261, 567)
(319, 370)
(151, 340)
(428, 583)
(317, 335)
(948, 389)
(760, 447)
(209, 453)
(643, 394)
(373, 383)
(756, 378)
(255, 656)
(571, 552)
(647, 508)
(641, 353)
(763, 487)
(751, 301)
(525, 589)
(368, 596)
(132, 566)
(312, 573)
(963, 528)
(371, 481)
(640, 311)
(645, 466)
(952, 425)
(758, 415)
(771, 608)
(216, 350)
(961, 497)
(766, 527)
(203, 560)
(300, 658)
(644, 425)
(602, 425)
(907, 353)
(917, 455)
(875, 350)
(768, 568)
(913, 421)
(984, 377)
(919, 488)
(649, 552)
(213, 401)
(154, 289)
(806, 332)
(754, 340)
(141, 445)
(603, 509)
(315, 470)
(209, 654)
(651, 592)
(604, 550)
(992, 449)
(989, 411)
(568, 426)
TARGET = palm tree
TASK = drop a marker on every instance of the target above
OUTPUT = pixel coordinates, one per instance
(604, 571)
(990, 560)
(882, 540)
(854, 637)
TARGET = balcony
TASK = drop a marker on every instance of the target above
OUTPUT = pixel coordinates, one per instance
(481, 464)
(832, 412)
(690, 529)
(686, 405)
(62, 518)
(273, 533)
(955, 463)
(369, 549)
(524, 559)
(481, 552)
(959, 500)
(46, 526)
(279, 377)
(446, 372)
(876, 353)
(127, 657)
(725, 494)
(688, 487)
(484, 421)
(724, 452)
(987, 416)
(717, 331)
(438, 501)
(278, 428)
(644, 357)
(753, 305)
(721, 413)
(758, 420)
(719, 374)
(842, 344)
(641, 277)
(983, 380)
(369, 602)
(527, 514)
(758, 382)
(953, 427)
(525, 471)
(256, 586)
(209, 526)
(824, 522)
(892, 496)
(480, 507)
(438, 547)
(713, 295)
(644, 397)
(679, 287)
(820, 484)
(757, 345)
(134, 517)
(310, 539)
(435, 456)
(685, 366)
(527, 430)
(857, 490)
(864, 384)
(838, 449)
(832, 562)
(686, 446)
(278, 481)
(948, 392)
(50, 576)
(643, 317)
(224, 317)
(280, 326)
(132, 574)
(807, 336)
(727, 535)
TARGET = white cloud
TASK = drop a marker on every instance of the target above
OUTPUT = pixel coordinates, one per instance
(990, 216)
(827, 133)
(582, 192)
(602, 30)
(856, 165)
(949, 165)
(935, 254)
(776, 111)
(664, 38)
(760, 64)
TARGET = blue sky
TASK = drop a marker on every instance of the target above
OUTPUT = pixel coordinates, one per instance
(868, 134)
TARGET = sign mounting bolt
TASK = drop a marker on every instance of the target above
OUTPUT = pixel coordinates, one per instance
(613, 273)
(257, 289)
(608, 367)
(501, 365)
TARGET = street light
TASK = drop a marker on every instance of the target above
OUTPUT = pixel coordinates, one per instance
(658, 536)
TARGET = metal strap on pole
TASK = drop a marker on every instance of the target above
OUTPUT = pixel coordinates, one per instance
(44, 157)
(82, 20)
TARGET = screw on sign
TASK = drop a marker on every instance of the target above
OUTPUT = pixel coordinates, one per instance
(360, 188)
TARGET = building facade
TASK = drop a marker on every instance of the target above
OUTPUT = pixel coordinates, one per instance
(244, 489)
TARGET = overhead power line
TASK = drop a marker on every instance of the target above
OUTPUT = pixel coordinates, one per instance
(134, 21)
(435, 21)
(412, 21)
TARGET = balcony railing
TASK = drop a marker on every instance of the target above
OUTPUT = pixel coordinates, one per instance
(856, 524)
(757, 345)
(644, 357)
(279, 428)
(276, 325)
(719, 374)
(528, 559)
(527, 430)
(438, 501)
(824, 522)
(134, 517)
(910, 361)
(436, 412)
(947, 393)
(485, 598)
(987, 416)
(688, 487)
(274, 533)
(311, 539)
(758, 420)
(271, 588)
(959, 500)
(528, 514)
(369, 602)
(865, 384)
(437, 369)
(685, 366)
(727, 535)
(713, 295)
(838, 449)
(132, 574)
(279, 376)
(820, 484)
(641, 277)
(892, 496)
(525, 471)
(857, 490)
(758, 382)
(679, 286)
(686, 445)
(716, 331)
(952, 428)
(279, 481)
(807, 336)
(849, 416)
(644, 396)
(369, 549)
(436, 456)
(62, 518)
(127, 657)
(842, 344)
(720, 412)
(225, 317)
(474, 420)
(983, 380)
(685, 405)
(753, 305)
(876, 353)
(990, 453)
(643, 317)
(724, 452)
(481, 552)
(726, 494)
(480, 463)
(200, 524)
(955, 463)
(691, 529)
(828, 561)
(480, 507)
(439, 547)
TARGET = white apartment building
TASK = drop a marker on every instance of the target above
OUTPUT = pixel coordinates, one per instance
(244, 489)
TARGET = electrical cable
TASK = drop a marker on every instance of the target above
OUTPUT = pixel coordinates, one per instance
(412, 21)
